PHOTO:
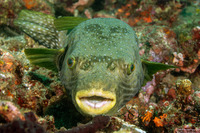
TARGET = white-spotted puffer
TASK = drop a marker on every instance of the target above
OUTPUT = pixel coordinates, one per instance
(102, 66)
(99, 63)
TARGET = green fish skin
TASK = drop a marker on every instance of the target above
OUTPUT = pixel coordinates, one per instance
(39, 26)
(99, 63)
(104, 49)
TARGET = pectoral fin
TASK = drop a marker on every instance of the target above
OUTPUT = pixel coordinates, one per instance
(151, 68)
(48, 58)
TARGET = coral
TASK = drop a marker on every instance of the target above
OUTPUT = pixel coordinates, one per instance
(184, 87)
(29, 3)
(147, 118)
(159, 122)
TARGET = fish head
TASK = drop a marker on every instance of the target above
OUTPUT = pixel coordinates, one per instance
(101, 68)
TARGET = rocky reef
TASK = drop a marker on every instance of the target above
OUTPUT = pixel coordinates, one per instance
(32, 98)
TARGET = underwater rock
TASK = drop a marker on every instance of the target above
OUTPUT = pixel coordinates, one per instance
(9, 11)
(11, 72)
(11, 117)
(172, 109)
(98, 122)
(149, 89)
(172, 93)
(28, 125)
(123, 127)
(167, 11)
(80, 6)
(187, 30)
(157, 43)
(9, 111)
(163, 106)
(196, 97)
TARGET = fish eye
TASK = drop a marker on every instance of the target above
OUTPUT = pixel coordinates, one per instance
(131, 68)
(71, 62)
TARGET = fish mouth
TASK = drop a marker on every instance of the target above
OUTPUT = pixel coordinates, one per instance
(95, 102)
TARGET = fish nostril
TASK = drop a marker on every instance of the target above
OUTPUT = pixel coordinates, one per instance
(111, 66)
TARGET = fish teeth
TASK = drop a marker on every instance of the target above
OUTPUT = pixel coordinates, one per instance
(95, 103)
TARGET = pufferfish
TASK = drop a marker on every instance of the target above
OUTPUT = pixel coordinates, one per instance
(99, 62)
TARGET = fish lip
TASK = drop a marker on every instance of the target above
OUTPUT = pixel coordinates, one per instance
(95, 102)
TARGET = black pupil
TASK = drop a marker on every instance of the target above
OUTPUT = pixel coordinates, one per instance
(132, 67)
(70, 62)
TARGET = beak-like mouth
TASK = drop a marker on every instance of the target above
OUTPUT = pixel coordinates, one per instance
(95, 102)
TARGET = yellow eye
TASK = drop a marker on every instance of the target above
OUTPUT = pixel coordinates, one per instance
(71, 62)
(131, 68)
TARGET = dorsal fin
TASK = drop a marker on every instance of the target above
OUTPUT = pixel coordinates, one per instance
(68, 23)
